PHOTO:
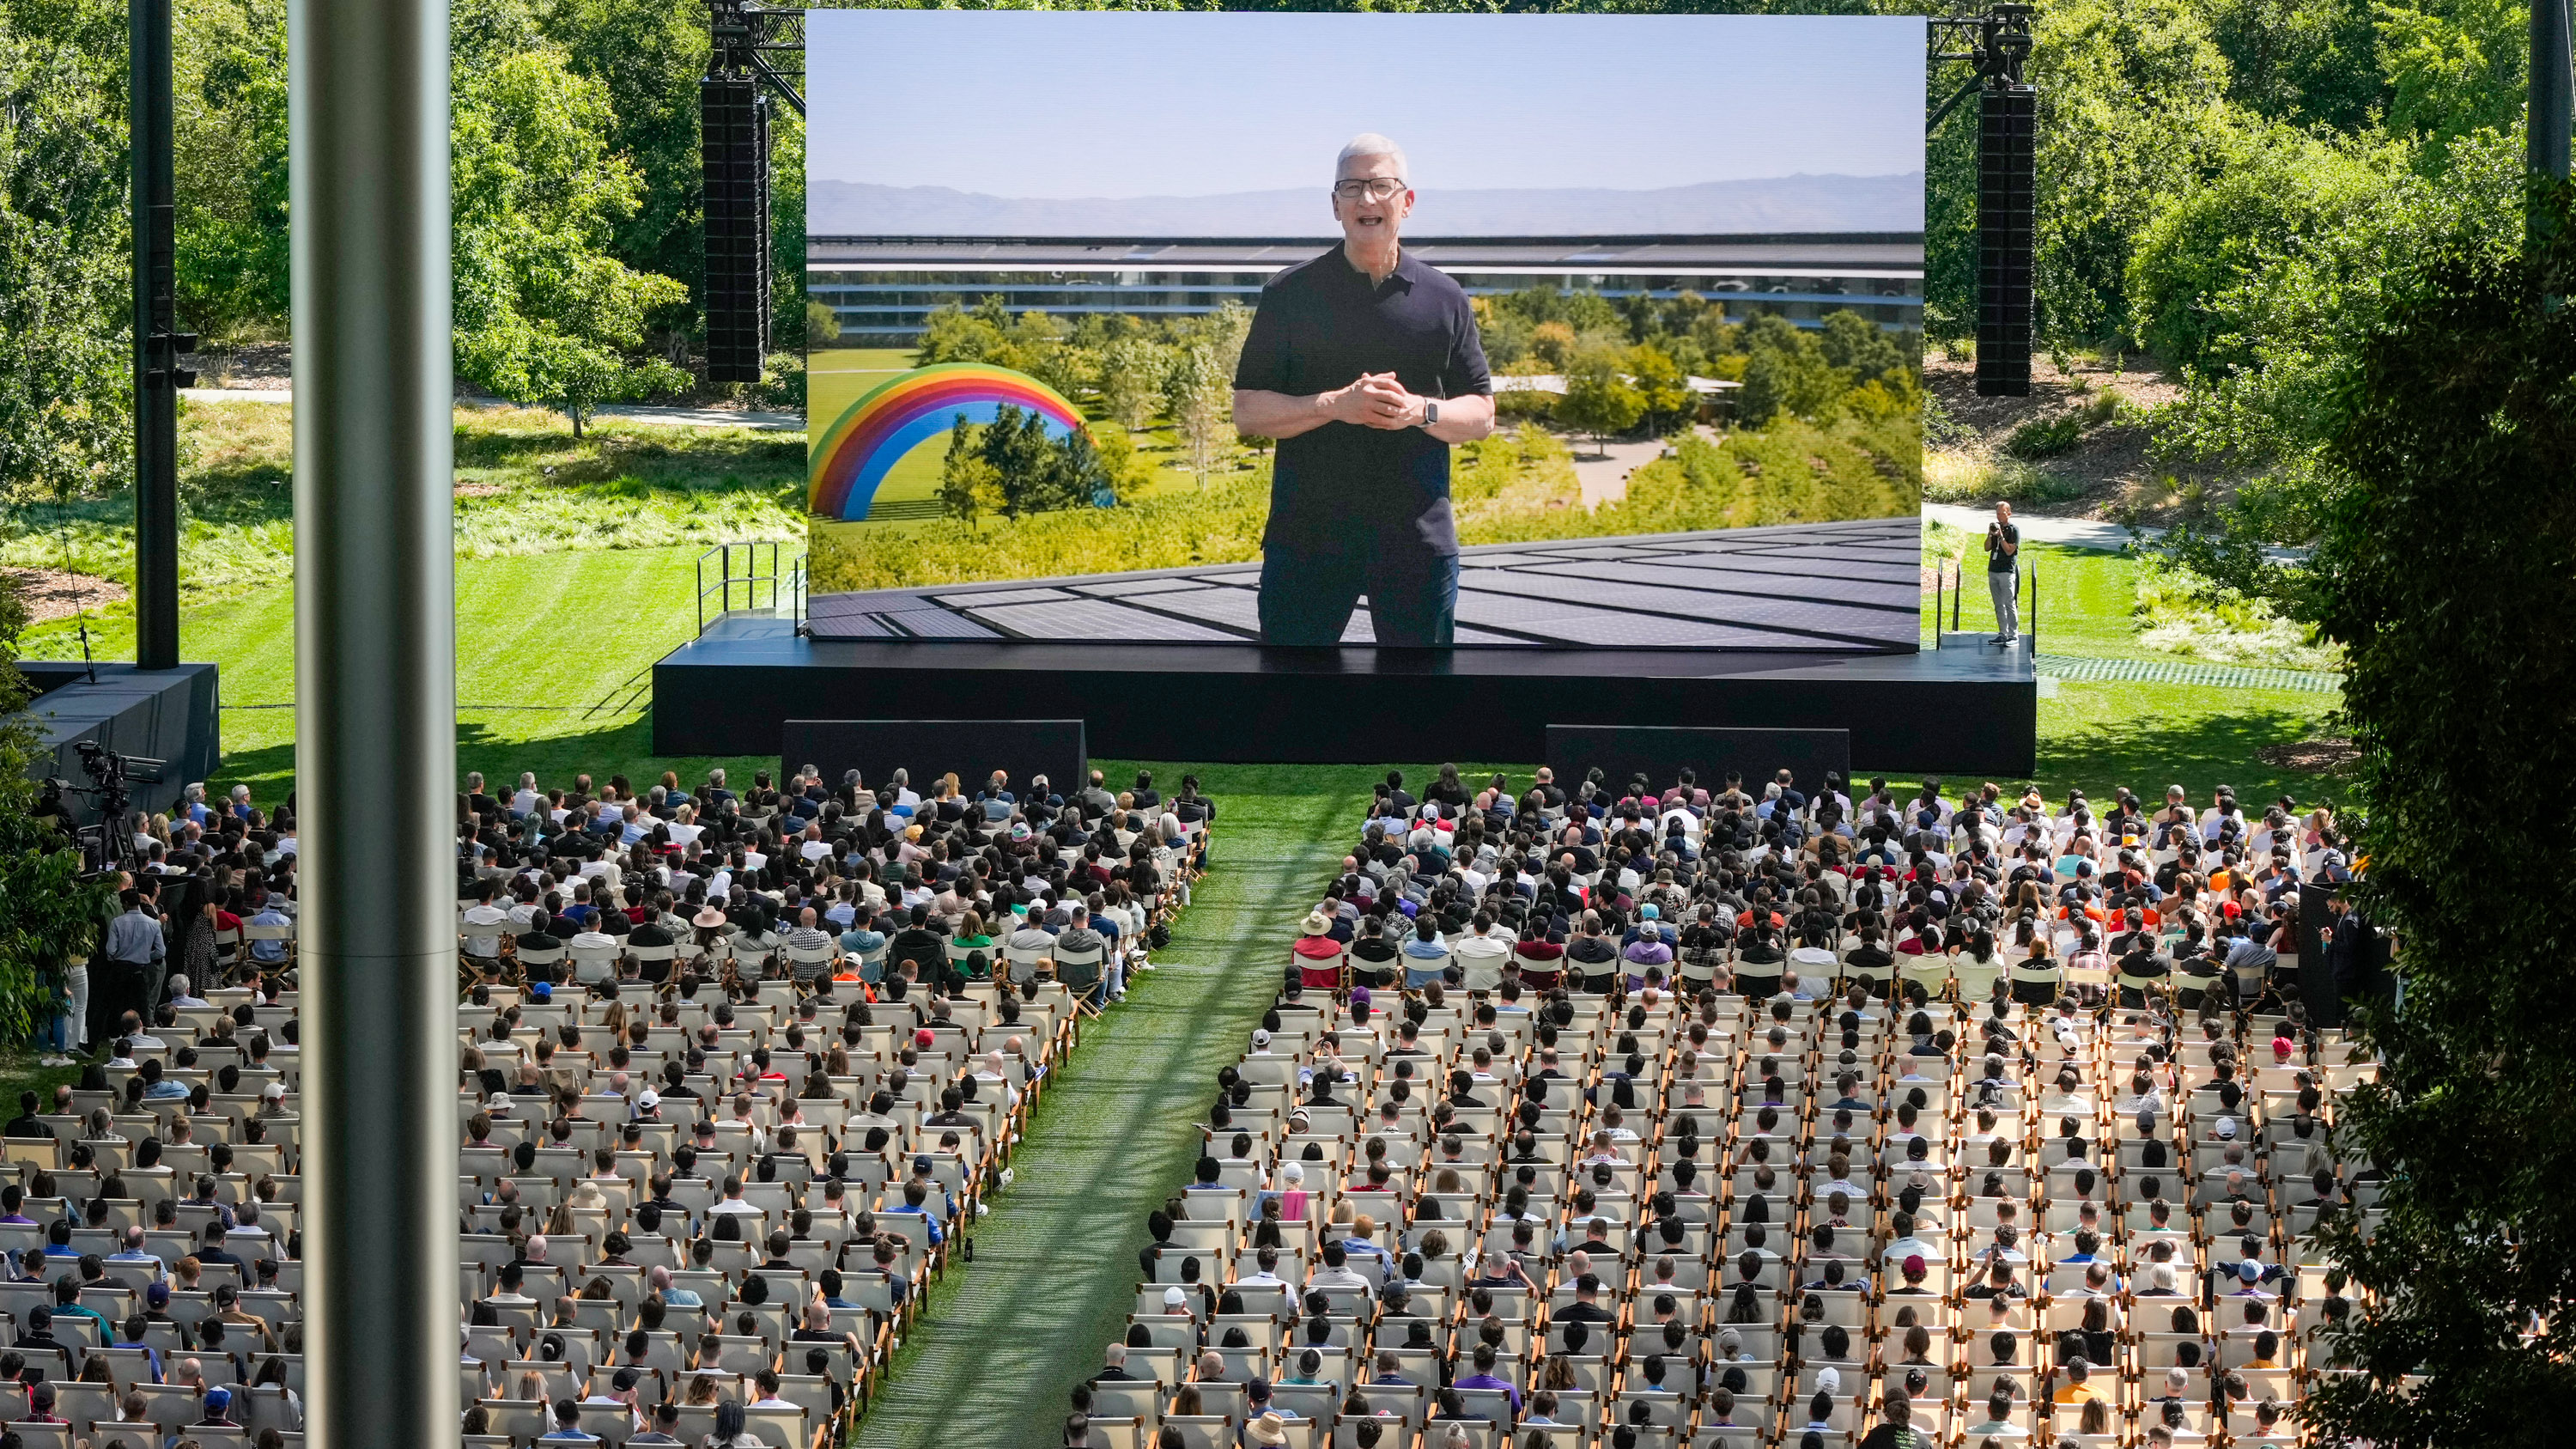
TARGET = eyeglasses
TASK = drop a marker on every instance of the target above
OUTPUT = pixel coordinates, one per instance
(1375, 189)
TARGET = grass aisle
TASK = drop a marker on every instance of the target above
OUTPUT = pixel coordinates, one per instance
(1004, 1339)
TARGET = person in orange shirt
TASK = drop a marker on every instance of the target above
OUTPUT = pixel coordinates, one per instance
(2076, 1389)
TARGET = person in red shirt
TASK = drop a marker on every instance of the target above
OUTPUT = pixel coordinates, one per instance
(1317, 955)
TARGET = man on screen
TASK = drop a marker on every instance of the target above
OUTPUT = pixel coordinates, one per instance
(1365, 365)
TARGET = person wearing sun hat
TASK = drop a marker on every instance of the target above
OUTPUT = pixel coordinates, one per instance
(1317, 956)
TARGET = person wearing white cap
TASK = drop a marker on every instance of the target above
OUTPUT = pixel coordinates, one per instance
(1260, 1041)
(648, 1106)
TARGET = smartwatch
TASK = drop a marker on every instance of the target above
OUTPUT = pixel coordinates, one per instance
(1430, 413)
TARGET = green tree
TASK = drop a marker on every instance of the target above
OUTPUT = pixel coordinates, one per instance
(2455, 67)
(1016, 447)
(646, 59)
(1663, 389)
(1132, 373)
(2443, 574)
(1598, 400)
(968, 486)
(1856, 345)
(544, 314)
(1081, 473)
(46, 913)
(1786, 374)
(2306, 62)
(2133, 109)
(822, 324)
(1122, 471)
(65, 381)
(1199, 396)
(228, 144)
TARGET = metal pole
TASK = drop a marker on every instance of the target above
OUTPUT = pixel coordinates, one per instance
(375, 625)
(2553, 88)
(2553, 109)
(156, 345)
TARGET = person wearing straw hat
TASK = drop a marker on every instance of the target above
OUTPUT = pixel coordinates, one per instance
(1318, 955)
(1267, 1432)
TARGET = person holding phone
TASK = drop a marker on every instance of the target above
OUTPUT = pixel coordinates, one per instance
(2003, 564)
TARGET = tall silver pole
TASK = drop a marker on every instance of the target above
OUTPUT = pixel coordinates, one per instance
(375, 710)
(2553, 88)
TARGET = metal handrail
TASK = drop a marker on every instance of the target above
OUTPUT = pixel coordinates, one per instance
(749, 578)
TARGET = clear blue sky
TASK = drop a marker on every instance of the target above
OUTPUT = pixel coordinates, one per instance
(1120, 104)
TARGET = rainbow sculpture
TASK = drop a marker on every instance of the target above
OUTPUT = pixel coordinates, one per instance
(874, 433)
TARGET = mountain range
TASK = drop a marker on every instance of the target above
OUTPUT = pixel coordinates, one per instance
(1798, 203)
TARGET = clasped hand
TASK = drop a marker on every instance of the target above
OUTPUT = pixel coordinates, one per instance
(1377, 400)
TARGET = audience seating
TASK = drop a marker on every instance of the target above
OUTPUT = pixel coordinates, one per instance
(670, 1086)
(1689, 1214)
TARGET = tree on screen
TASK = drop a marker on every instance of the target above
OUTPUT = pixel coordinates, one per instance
(968, 486)
(1663, 390)
(1599, 401)
(1132, 373)
(1787, 374)
(1200, 396)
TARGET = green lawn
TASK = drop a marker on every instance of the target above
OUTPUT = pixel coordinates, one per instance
(1006, 1337)
(2087, 602)
(524, 486)
(554, 650)
(553, 660)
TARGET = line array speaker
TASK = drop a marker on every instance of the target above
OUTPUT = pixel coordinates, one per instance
(734, 116)
(2007, 174)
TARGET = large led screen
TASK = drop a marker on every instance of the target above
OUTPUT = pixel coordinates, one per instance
(1419, 331)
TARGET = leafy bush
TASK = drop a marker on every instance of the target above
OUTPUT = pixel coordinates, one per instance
(2046, 437)
(1966, 476)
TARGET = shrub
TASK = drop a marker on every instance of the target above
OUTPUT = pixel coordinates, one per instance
(2046, 437)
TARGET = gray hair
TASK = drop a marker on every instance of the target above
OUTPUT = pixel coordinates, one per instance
(1370, 143)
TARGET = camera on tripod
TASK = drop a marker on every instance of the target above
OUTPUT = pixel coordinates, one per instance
(109, 844)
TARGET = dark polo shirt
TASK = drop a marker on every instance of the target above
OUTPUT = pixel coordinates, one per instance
(1344, 486)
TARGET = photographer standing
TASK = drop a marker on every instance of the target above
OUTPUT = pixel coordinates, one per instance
(2003, 572)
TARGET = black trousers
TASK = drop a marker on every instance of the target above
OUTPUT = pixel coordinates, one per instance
(115, 988)
(1307, 597)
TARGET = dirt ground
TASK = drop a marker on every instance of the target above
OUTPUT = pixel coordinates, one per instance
(268, 366)
(2108, 469)
(264, 365)
(57, 594)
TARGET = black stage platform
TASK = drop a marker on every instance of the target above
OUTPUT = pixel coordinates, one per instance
(1816, 588)
(161, 714)
(1966, 710)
